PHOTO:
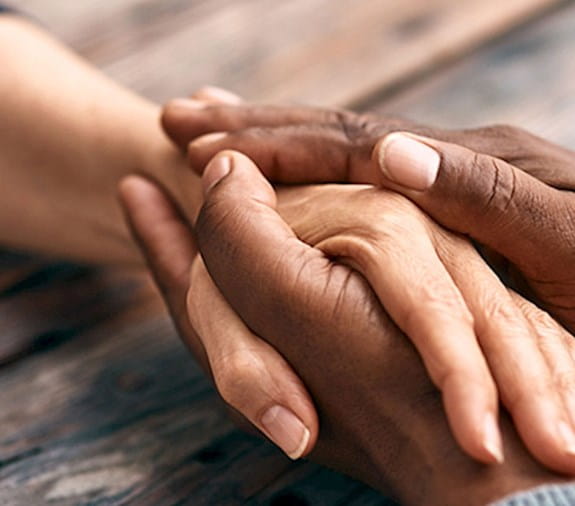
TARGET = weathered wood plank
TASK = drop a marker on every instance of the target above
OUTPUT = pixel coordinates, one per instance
(120, 414)
(529, 81)
(44, 306)
(321, 51)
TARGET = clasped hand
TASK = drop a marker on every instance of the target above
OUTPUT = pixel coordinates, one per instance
(285, 312)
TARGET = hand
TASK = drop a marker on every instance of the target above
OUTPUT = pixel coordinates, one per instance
(330, 138)
(250, 375)
(520, 217)
(380, 415)
(435, 282)
(288, 143)
(501, 185)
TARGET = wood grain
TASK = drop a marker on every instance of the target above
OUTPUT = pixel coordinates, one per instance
(528, 81)
(120, 413)
(101, 402)
(328, 52)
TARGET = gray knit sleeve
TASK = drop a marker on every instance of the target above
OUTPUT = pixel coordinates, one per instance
(548, 495)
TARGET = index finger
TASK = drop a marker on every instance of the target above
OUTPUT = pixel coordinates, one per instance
(168, 246)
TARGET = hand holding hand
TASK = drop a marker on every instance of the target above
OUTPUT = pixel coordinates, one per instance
(379, 413)
(525, 219)
(303, 144)
(500, 185)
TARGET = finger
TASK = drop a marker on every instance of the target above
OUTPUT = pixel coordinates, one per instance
(161, 232)
(238, 222)
(523, 375)
(249, 374)
(245, 243)
(236, 196)
(292, 154)
(486, 198)
(240, 201)
(544, 160)
(168, 246)
(185, 120)
(216, 96)
(180, 115)
(557, 347)
(421, 298)
(536, 156)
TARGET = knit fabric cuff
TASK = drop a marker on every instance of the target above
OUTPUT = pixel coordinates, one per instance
(548, 495)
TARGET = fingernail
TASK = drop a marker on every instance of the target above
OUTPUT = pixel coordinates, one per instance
(218, 95)
(408, 162)
(207, 139)
(286, 430)
(568, 437)
(216, 170)
(187, 103)
(492, 438)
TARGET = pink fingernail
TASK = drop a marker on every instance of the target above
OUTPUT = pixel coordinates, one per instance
(286, 430)
(187, 103)
(492, 438)
(408, 162)
(216, 170)
(220, 95)
(208, 139)
(568, 437)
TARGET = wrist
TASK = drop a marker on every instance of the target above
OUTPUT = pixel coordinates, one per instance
(161, 161)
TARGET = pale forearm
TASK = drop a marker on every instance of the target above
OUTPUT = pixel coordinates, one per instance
(67, 135)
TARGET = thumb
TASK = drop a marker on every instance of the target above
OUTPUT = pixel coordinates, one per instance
(253, 258)
(475, 194)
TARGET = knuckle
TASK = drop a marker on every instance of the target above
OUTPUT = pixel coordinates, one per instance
(499, 194)
(503, 313)
(564, 381)
(354, 126)
(503, 324)
(517, 396)
(221, 219)
(503, 132)
(547, 328)
(543, 323)
(439, 300)
(301, 284)
(397, 219)
(395, 213)
(514, 145)
(448, 376)
(236, 375)
(452, 376)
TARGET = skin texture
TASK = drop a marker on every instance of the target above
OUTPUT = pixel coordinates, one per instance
(527, 221)
(504, 187)
(533, 373)
(65, 142)
(67, 189)
(381, 417)
(60, 174)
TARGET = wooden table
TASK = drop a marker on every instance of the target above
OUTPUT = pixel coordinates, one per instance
(101, 404)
